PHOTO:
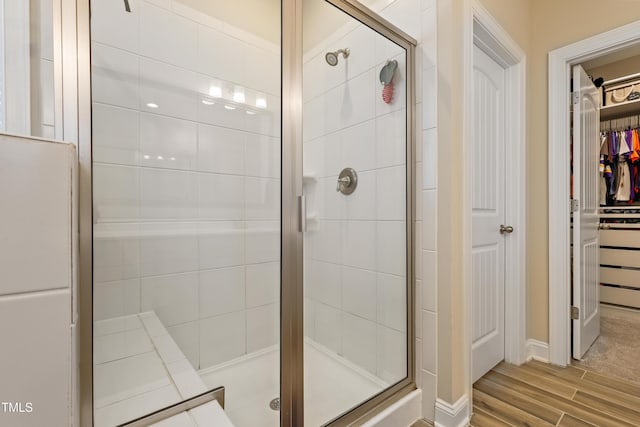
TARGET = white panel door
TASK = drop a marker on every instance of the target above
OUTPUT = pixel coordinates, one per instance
(586, 177)
(488, 213)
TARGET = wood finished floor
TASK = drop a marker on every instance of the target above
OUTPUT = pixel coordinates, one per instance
(538, 394)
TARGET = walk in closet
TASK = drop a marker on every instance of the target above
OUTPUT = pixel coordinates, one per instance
(619, 233)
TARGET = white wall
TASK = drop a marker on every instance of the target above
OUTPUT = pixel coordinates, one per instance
(186, 195)
(37, 318)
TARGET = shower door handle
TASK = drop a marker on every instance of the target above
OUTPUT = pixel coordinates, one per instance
(302, 214)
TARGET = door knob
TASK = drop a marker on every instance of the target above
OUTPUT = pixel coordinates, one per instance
(508, 229)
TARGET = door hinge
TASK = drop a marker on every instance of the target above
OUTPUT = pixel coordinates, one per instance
(575, 313)
(575, 98)
(574, 205)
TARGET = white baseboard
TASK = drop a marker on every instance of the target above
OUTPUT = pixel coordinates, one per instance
(537, 350)
(456, 415)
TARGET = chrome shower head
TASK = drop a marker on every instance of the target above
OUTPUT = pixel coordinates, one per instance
(332, 57)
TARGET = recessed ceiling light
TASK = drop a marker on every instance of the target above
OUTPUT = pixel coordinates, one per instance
(251, 113)
(229, 107)
(160, 157)
(152, 105)
(207, 102)
(146, 156)
(173, 158)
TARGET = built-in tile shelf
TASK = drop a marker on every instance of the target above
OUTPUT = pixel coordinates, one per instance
(138, 369)
(309, 178)
(313, 221)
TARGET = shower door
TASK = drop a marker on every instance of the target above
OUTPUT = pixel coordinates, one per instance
(186, 208)
(203, 113)
(357, 97)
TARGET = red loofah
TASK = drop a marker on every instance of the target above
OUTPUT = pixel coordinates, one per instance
(387, 93)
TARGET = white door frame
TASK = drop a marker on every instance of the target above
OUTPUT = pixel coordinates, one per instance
(560, 62)
(484, 31)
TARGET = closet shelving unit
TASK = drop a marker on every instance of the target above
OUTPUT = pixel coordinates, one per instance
(620, 223)
(620, 255)
(623, 108)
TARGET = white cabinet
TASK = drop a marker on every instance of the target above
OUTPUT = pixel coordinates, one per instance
(36, 276)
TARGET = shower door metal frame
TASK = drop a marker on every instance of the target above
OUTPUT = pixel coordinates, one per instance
(73, 19)
(291, 259)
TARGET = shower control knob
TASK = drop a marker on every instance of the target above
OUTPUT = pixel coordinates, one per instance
(347, 181)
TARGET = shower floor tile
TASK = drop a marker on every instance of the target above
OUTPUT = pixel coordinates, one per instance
(333, 385)
(129, 384)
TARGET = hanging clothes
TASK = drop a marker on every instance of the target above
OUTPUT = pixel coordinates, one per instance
(634, 156)
(624, 145)
(604, 151)
(619, 166)
(635, 146)
(624, 182)
(624, 175)
(610, 167)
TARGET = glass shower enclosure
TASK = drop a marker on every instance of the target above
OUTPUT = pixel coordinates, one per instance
(252, 212)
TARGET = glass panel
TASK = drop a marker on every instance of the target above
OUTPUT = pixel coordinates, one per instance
(355, 245)
(186, 192)
(27, 81)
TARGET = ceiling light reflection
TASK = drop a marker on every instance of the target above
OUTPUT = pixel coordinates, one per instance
(215, 91)
(261, 102)
(238, 95)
